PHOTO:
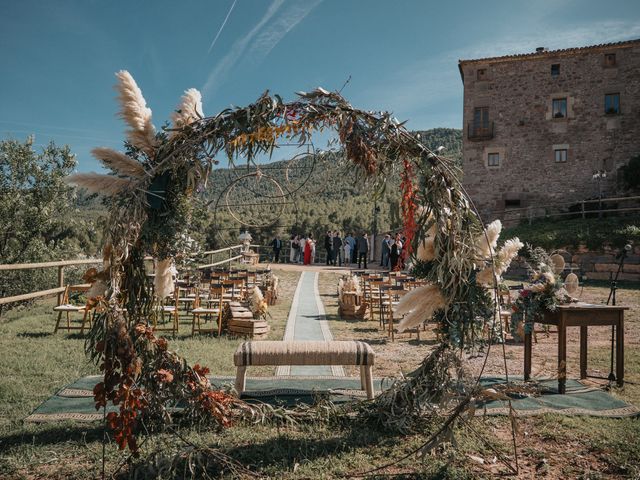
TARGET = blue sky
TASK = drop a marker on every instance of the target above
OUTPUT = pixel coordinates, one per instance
(59, 57)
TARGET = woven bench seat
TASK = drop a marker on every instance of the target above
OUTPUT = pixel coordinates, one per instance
(278, 353)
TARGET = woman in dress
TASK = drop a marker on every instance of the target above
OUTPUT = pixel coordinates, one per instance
(292, 251)
(307, 250)
(313, 249)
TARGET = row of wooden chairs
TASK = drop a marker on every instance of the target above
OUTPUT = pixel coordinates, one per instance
(199, 300)
(383, 292)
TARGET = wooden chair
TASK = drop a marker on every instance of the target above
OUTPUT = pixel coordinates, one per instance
(212, 311)
(67, 308)
(375, 285)
(167, 306)
(394, 294)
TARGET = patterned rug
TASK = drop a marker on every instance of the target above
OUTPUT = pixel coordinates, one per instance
(75, 401)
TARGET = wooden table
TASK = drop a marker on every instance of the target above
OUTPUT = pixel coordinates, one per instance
(581, 315)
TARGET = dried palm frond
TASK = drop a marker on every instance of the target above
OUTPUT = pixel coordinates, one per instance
(189, 110)
(163, 281)
(134, 111)
(486, 242)
(119, 162)
(426, 248)
(419, 305)
(97, 183)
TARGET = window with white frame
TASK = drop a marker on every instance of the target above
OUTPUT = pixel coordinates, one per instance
(560, 155)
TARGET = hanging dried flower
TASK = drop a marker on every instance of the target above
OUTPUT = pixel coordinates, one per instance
(134, 111)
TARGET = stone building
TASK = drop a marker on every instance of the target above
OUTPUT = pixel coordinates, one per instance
(549, 127)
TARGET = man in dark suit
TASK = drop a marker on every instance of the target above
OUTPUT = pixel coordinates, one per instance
(328, 246)
(276, 243)
(337, 248)
(362, 245)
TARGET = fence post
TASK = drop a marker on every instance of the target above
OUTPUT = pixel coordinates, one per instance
(60, 283)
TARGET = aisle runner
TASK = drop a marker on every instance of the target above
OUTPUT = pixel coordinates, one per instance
(307, 321)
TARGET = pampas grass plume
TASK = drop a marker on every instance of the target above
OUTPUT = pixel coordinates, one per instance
(163, 281)
(97, 183)
(134, 111)
(486, 276)
(189, 110)
(486, 242)
(119, 162)
(418, 306)
(507, 253)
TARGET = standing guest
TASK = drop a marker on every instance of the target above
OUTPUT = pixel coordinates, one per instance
(307, 249)
(276, 243)
(347, 251)
(349, 240)
(354, 249)
(328, 246)
(394, 254)
(337, 248)
(362, 245)
(386, 250)
(303, 243)
(313, 249)
(293, 245)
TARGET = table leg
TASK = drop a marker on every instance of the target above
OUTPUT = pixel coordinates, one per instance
(527, 356)
(583, 352)
(562, 355)
(620, 351)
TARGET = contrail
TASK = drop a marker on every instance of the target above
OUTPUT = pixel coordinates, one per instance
(222, 26)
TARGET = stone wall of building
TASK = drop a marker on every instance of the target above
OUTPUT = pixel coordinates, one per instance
(518, 92)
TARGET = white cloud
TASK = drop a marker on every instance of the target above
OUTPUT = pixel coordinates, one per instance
(237, 50)
(262, 38)
(271, 36)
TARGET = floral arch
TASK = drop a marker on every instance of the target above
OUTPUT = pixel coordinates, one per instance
(160, 172)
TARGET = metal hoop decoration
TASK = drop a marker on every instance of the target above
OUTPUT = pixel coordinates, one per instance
(258, 175)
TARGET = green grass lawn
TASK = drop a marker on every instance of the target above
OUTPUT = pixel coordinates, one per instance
(35, 363)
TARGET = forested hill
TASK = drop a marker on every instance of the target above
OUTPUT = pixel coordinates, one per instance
(326, 194)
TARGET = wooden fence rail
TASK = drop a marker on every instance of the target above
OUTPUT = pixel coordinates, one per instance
(61, 264)
(50, 291)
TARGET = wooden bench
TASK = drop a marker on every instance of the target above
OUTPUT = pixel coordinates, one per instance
(305, 353)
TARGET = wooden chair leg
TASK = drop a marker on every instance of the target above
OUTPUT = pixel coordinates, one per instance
(55, 330)
(68, 323)
(193, 325)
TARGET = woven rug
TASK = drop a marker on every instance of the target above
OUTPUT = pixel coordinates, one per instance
(75, 401)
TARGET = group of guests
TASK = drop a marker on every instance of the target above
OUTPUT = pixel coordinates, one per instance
(393, 254)
(348, 250)
(303, 249)
(343, 251)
